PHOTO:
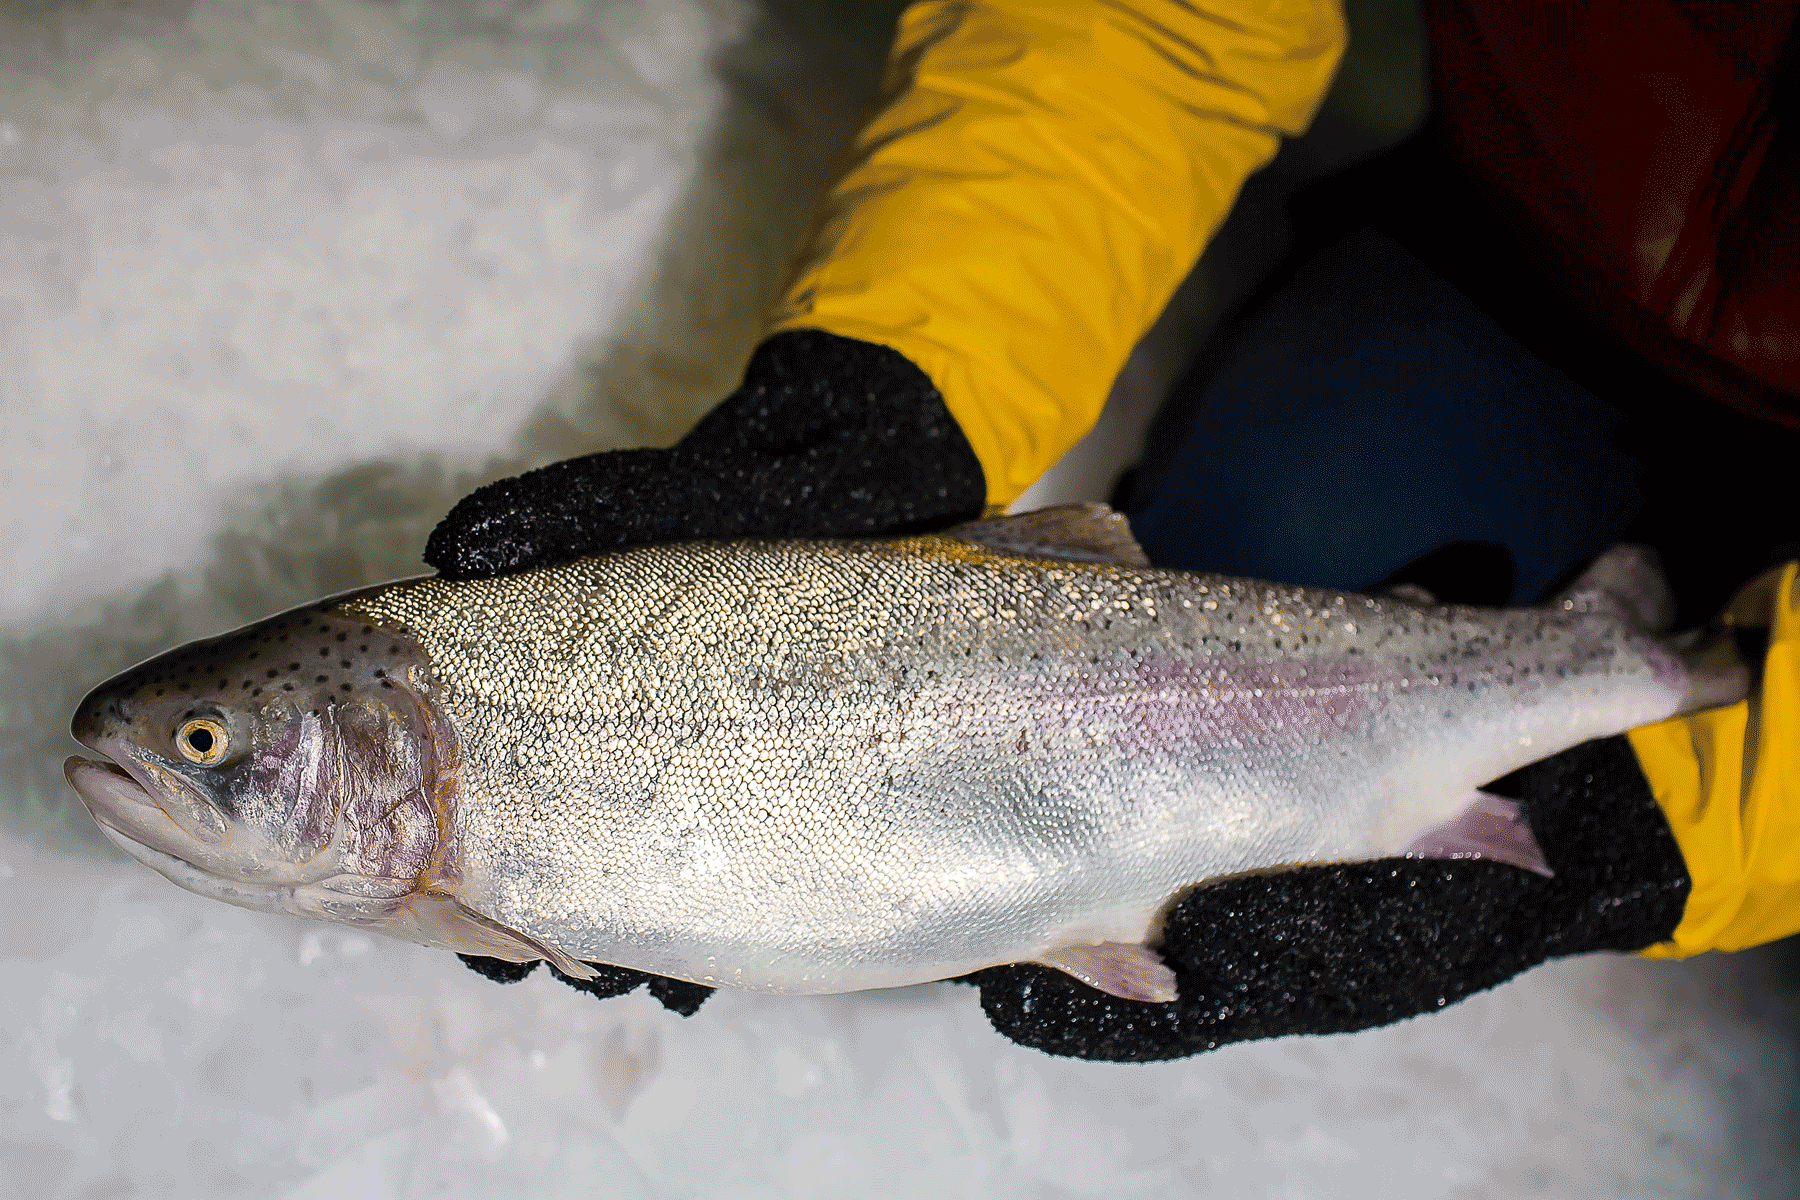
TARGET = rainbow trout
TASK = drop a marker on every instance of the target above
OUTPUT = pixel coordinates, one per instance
(823, 766)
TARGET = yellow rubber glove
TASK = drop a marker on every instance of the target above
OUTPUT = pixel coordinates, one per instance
(1728, 780)
(1037, 180)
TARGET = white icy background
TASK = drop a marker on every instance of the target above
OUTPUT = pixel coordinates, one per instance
(278, 281)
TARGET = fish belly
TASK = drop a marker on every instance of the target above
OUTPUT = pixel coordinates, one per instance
(817, 767)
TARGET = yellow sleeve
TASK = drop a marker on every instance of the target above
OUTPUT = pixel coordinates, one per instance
(1728, 779)
(1036, 181)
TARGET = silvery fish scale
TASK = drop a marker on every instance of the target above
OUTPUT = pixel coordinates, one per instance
(819, 766)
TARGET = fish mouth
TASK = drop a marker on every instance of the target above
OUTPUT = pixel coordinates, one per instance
(124, 807)
(132, 820)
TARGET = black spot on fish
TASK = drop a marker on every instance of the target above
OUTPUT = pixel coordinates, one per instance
(344, 686)
(368, 629)
(342, 636)
(386, 684)
(256, 691)
(320, 679)
(345, 663)
(380, 674)
(287, 687)
(324, 651)
(273, 672)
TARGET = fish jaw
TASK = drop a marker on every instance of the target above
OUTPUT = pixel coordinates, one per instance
(399, 908)
(131, 819)
(122, 806)
(195, 816)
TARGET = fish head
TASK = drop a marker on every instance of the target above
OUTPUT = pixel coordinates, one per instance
(298, 765)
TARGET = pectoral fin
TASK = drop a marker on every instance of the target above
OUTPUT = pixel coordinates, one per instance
(1490, 827)
(1124, 969)
(443, 920)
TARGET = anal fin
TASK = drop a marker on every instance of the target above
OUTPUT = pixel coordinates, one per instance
(1127, 970)
(1490, 827)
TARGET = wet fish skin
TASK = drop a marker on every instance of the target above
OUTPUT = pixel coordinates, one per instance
(818, 766)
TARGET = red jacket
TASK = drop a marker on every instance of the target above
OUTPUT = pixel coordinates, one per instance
(1652, 151)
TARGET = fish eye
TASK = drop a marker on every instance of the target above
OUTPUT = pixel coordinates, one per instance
(202, 741)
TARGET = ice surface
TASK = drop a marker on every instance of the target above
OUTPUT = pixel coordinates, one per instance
(281, 280)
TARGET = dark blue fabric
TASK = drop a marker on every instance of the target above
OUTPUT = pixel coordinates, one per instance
(1365, 413)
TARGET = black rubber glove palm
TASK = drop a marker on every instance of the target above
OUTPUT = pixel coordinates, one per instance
(834, 437)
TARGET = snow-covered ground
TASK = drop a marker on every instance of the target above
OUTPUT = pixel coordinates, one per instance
(279, 280)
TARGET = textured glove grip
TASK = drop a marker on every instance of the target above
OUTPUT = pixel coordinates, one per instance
(827, 437)
(1331, 949)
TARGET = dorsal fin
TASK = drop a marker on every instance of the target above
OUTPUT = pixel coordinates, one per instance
(1077, 532)
(1626, 580)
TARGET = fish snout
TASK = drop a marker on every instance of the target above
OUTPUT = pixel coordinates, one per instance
(101, 717)
(119, 803)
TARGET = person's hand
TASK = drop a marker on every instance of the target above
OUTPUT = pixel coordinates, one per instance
(827, 437)
(1676, 838)
(1347, 946)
